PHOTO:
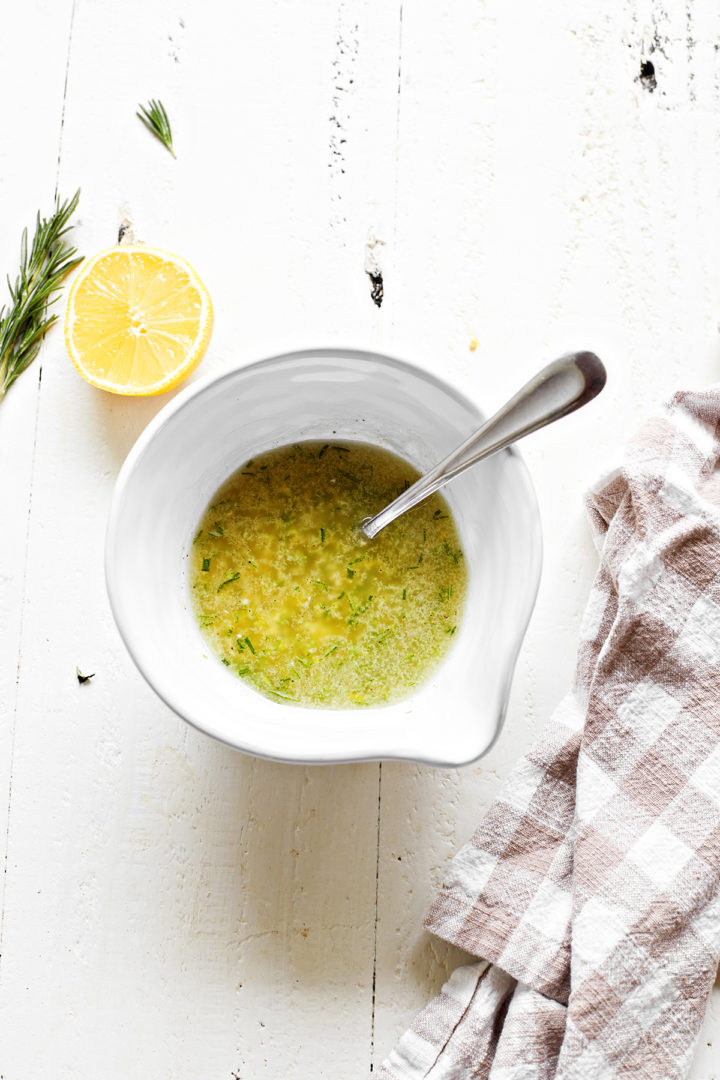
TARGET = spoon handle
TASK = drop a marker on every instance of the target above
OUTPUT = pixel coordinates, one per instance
(557, 390)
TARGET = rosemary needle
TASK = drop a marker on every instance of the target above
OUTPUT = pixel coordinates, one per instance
(24, 324)
(155, 119)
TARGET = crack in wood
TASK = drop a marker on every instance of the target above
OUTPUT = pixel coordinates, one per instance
(377, 291)
(375, 931)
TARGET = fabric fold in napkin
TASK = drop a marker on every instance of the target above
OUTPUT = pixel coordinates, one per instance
(590, 891)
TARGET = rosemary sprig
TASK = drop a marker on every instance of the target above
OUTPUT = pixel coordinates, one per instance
(155, 119)
(24, 324)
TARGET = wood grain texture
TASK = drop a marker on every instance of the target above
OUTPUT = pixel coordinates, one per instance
(173, 909)
(28, 181)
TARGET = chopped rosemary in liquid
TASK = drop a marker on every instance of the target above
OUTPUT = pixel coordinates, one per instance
(315, 614)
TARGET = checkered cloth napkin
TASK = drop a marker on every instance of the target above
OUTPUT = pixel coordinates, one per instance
(591, 889)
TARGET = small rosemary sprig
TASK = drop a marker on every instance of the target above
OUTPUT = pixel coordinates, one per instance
(24, 324)
(155, 119)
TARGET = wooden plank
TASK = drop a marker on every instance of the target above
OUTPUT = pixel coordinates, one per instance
(173, 908)
(29, 148)
(547, 200)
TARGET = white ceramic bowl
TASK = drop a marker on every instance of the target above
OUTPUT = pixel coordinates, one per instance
(203, 436)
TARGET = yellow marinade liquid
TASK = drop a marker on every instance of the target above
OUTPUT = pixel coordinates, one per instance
(298, 603)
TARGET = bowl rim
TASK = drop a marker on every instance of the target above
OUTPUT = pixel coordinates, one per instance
(328, 352)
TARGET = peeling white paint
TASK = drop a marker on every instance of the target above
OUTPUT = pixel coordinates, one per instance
(373, 254)
(344, 93)
(126, 227)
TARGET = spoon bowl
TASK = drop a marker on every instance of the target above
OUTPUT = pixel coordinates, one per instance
(557, 390)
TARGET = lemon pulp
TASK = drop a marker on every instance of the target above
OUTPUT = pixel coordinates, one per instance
(138, 320)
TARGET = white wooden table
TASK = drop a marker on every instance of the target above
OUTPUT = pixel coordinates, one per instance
(172, 909)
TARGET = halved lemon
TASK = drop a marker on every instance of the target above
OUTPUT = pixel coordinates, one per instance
(138, 320)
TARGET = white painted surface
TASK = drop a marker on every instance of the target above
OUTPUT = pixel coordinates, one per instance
(172, 909)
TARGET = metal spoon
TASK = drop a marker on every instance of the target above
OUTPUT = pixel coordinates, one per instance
(557, 390)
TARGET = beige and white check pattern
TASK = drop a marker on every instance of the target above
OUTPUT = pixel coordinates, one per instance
(591, 889)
